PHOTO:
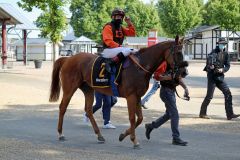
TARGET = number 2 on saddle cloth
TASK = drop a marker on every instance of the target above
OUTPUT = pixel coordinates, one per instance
(101, 78)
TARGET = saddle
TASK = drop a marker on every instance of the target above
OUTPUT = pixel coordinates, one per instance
(100, 78)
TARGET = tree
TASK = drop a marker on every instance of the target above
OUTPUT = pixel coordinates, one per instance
(144, 17)
(51, 22)
(178, 16)
(88, 18)
(224, 13)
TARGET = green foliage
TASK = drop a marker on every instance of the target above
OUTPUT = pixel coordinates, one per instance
(29, 4)
(178, 16)
(144, 17)
(52, 21)
(89, 17)
(223, 13)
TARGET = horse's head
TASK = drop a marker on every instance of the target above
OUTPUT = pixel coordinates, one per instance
(170, 51)
(174, 55)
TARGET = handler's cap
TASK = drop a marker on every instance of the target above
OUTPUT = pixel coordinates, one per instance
(222, 41)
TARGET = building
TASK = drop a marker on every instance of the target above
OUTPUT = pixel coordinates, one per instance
(12, 21)
(236, 46)
(140, 42)
(37, 48)
(78, 44)
(201, 40)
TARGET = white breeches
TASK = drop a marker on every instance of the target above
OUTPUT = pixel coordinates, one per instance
(112, 52)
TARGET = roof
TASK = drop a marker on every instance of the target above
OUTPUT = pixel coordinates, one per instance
(83, 40)
(238, 33)
(142, 40)
(70, 37)
(204, 28)
(7, 11)
(35, 41)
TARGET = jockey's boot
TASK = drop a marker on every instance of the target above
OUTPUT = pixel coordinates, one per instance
(113, 61)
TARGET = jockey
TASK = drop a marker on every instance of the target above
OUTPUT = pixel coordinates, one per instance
(113, 35)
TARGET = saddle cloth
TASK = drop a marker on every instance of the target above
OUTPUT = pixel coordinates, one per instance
(100, 78)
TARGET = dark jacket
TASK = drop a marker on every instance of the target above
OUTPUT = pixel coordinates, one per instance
(219, 60)
(170, 83)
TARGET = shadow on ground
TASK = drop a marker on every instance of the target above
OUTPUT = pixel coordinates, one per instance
(31, 130)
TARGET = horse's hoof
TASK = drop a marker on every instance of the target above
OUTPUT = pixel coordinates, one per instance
(136, 146)
(61, 138)
(101, 139)
(121, 137)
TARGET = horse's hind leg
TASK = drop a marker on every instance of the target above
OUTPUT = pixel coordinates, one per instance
(62, 109)
(89, 98)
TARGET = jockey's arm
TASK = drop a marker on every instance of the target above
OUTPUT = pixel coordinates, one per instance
(108, 37)
(129, 30)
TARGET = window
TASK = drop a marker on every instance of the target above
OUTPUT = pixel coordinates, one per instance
(234, 46)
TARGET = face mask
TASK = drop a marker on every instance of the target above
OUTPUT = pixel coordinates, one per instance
(221, 46)
(117, 22)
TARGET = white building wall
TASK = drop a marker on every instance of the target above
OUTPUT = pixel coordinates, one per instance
(48, 49)
(33, 52)
(208, 42)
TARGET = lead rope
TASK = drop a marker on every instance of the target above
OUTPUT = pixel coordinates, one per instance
(186, 98)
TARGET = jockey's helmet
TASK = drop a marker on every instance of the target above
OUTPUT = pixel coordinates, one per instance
(118, 11)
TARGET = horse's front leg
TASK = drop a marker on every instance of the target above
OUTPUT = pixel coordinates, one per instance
(139, 115)
(132, 103)
(139, 121)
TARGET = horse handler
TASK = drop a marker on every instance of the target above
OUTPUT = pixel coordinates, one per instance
(167, 95)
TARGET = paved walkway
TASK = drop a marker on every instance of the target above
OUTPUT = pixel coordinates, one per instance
(28, 122)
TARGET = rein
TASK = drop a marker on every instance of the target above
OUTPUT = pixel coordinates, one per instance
(133, 58)
(186, 98)
(136, 61)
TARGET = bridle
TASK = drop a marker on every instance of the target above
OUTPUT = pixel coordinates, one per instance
(172, 52)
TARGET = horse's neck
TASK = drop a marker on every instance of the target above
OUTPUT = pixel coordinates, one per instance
(152, 57)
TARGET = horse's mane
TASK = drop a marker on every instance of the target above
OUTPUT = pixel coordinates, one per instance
(142, 50)
(153, 46)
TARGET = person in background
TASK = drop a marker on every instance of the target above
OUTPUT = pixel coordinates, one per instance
(217, 64)
(105, 102)
(151, 92)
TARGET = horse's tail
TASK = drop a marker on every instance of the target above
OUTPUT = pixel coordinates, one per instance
(56, 84)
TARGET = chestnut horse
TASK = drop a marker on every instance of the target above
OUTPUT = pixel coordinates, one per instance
(75, 72)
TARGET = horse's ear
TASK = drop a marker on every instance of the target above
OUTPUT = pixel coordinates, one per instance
(181, 41)
(177, 40)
